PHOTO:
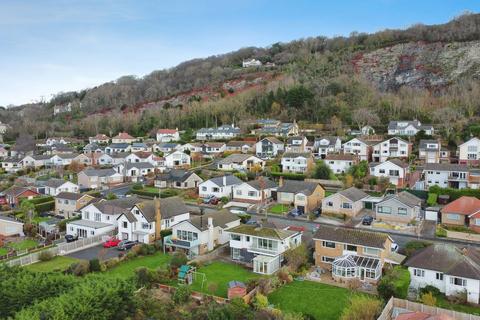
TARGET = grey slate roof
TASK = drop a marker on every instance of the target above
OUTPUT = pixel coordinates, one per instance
(424, 142)
(235, 158)
(406, 198)
(446, 167)
(449, 259)
(393, 125)
(118, 146)
(229, 180)
(99, 172)
(351, 236)
(294, 186)
(116, 206)
(353, 194)
(297, 154)
(69, 195)
(331, 140)
(139, 165)
(169, 207)
(220, 219)
(267, 184)
(174, 175)
(54, 183)
(221, 129)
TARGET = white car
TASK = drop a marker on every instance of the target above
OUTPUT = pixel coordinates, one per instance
(237, 210)
(394, 247)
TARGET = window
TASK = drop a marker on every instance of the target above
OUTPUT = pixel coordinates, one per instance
(419, 273)
(300, 198)
(458, 281)
(327, 259)
(215, 189)
(394, 173)
(266, 244)
(439, 276)
(453, 216)
(98, 216)
(235, 237)
(386, 210)
(238, 192)
(477, 221)
(346, 205)
(330, 203)
(328, 244)
(187, 235)
(252, 193)
(125, 224)
(350, 247)
(204, 188)
(145, 225)
(381, 170)
(371, 251)
(402, 211)
(247, 238)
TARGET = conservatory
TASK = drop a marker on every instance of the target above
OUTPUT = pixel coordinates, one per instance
(349, 267)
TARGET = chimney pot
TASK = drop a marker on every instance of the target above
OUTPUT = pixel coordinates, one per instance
(210, 222)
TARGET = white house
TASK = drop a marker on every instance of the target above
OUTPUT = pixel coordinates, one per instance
(340, 163)
(261, 246)
(54, 186)
(240, 146)
(123, 137)
(12, 164)
(293, 162)
(269, 147)
(254, 191)
(358, 147)
(251, 63)
(213, 148)
(219, 186)
(469, 152)
(446, 175)
(117, 148)
(99, 138)
(391, 148)
(36, 161)
(408, 128)
(224, 132)
(134, 171)
(451, 269)
(395, 170)
(139, 222)
(168, 135)
(326, 145)
(112, 159)
(99, 178)
(201, 234)
(296, 144)
(431, 151)
(241, 162)
(177, 159)
(99, 217)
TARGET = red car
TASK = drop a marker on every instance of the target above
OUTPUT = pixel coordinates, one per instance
(111, 243)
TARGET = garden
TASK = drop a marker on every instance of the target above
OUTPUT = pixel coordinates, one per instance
(279, 208)
(21, 245)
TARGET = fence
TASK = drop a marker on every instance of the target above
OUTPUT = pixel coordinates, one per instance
(194, 294)
(463, 236)
(414, 306)
(59, 250)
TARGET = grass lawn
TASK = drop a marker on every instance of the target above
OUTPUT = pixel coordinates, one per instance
(3, 251)
(219, 274)
(278, 208)
(39, 219)
(23, 245)
(318, 300)
(328, 193)
(126, 269)
(58, 263)
(442, 302)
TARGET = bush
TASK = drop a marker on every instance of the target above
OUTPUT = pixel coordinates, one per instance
(244, 217)
(290, 176)
(428, 299)
(131, 254)
(362, 307)
(164, 233)
(412, 246)
(144, 277)
(95, 265)
(80, 268)
(45, 255)
(178, 259)
(430, 289)
(394, 283)
(260, 301)
(147, 249)
(45, 206)
(181, 295)
(110, 263)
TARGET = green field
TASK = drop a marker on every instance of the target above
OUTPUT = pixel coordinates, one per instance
(58, 263)
(317, 300)
(127, 268)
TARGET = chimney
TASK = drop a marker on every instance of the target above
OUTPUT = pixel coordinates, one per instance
(280, 181)
(224, 181)
(210, 234)
(158, 218)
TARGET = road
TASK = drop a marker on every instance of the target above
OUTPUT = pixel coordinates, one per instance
(97, 252)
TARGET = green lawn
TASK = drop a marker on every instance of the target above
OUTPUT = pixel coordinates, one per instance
(279, 208)
(126, 269)
(3, 251)
(219, 274)
(58, 263)
(23, 245)
(442, 302)
(328, 193)
(317, 300)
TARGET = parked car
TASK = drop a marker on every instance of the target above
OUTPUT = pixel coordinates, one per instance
(294, 212)
(71, 238)
(237, 210)
(251, 222)
(394, 247)
(367, 220)
(211, 200)
(317, 212)
(126, 244)
(110, 243)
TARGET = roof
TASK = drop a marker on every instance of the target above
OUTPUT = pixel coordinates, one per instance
(99, 172)
(262, 232)
(394, 125)
(448, 259)
(221, 129)
(143, 154)
(235, 158)
(395, 161)
(219, 219)
(229, 180)
(240, 143)
(404, 197)
(179, 175)
(15, 191)
(351, 236)
(291, 139)
(263, 183)
(340, 156)
(10, 219)
(116, 206)
(90, 224)
(138, 165)
(123, 135)
(69, 195)
(118, 145)
(353, 194)
(463, 205)
(167, 131)
(445, 167)
(331, 139)
(272, 140)
(54, 183)
(294, 186)
(297, 154)
(169, 207)
(101, 136)
(424, 142)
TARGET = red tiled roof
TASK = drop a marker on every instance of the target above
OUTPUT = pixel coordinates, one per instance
(463, 205)
(166, 131)
(101, 136)
(417, 315)
(123, 135)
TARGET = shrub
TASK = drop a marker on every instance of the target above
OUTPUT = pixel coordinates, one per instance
(45, 206)
(260, 301)
(296, 258)
(110, 263)
(430, 289)
(362, 307)
(178, 259)
(45, 255)
(394, 283)
(95, 265)
(144, 277)
(212, 288)
(415, 245)
(181, 295)
(80, 268)
(147, 249)
(131, 255)
(164, 233)
(244, 217)
(428, 299)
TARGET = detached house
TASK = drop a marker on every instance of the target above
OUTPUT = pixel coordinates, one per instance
(67, 204)
(123, 137)
(241, 162)
(12, 164)
(240, 146)
(54, 186)
(168, 135)
(201, 234)
(431, 151)
(391, 148)
(117, 148)
(144, 221)
(224, 132)
(304, 196)
(296, 144)
(464, 211)
(178, 179)
(293, 162)
(177, 159)
(14, 195)
(347, 202)
(325, 145)
(469, 152)
(361, 148)
(262, 247)
(219, 186)
(99, 138)
(401, 208)
(269, 148)
(395, 170)
(446, 175)
(451, 269)
(135, 171)
(340, 163)
(353, 254)
(98, 178)
(408, 128)
(254, 191)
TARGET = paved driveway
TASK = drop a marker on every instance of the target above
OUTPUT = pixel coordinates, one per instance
(97, 252)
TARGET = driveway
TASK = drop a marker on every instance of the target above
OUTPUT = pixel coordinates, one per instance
(97, 252)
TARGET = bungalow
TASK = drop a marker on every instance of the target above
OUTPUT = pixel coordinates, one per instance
(408, 128)
(262, 247)
(293, 162)
(241, 162)
(191, 147)
(54, 186)
(326, 145)
(99, 217)
(201, 234)
(135, 171)
(67, 204)
(168, 135)
(269, 148)
(280, 129)
(144, 221)
(112, 159)
(340, 163)
(450, 269)
(14, 195)
(254, 191)
(305, 196)
(99, 138)
(10, 227)
(469, 152)
(93, 148)
(12, 164)
(166, 147)
(219, 186)
(140, 156)
(36, 161)
(358, 147)
(177, 159)
(347, 202)
(178, 179)
(401, 208)
(446, 175)
(353, 253)
(240, 146)
(391, 148)
(98, 178)
(431, 151)
(123, 137)
(364, 131)
(395, 170)
(213, 148)
(63, 159)
(464, 211)
(140, 147)
(117, 148)
(296, 144)
(224, 132)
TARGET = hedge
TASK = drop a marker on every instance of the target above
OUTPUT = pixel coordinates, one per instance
(455, 193)
(150, 194)
(45, 206)
(290, 176)
(39, 200)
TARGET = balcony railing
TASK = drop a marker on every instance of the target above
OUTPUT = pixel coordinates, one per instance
(256, 248)
(181, 243)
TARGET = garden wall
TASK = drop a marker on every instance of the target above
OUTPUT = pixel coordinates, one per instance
(463, 236)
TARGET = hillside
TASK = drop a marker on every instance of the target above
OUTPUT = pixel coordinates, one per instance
(314, 79)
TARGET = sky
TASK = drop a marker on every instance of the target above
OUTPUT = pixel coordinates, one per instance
(51, 46)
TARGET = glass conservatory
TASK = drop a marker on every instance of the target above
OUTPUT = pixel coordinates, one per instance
(352, 266)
